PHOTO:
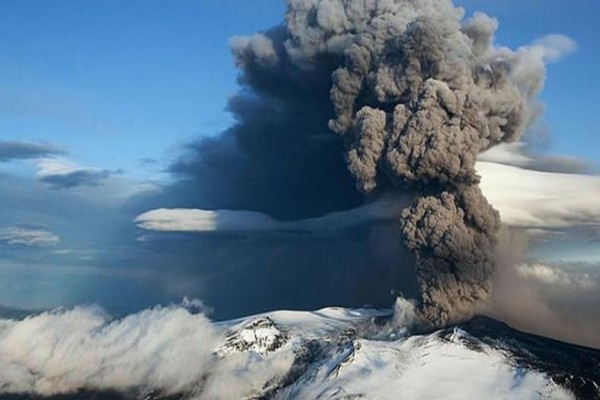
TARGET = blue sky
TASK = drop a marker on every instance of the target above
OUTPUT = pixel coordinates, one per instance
(571, 93)
(117, 89)
(116, 82)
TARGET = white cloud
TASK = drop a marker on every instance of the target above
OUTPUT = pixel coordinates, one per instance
(558, 277)
(244, 375)
(62, 352)
(55, 166)
(554, 47)
(24, 236)
(190, 220)
(544, 200)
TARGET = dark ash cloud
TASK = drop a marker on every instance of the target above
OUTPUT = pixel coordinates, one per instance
(279, 159)
(347, 101)
(414, 93)
(241, 274)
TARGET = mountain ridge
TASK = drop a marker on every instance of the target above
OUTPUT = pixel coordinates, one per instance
(338, 353)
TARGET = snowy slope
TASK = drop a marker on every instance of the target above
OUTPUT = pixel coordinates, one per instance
(332, 353)
(345, 364)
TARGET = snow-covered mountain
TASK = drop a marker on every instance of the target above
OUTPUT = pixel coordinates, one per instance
(338, 353)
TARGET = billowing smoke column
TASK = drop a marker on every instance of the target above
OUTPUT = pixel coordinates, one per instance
(417, 93)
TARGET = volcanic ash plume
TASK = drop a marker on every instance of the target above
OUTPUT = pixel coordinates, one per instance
(416, 94)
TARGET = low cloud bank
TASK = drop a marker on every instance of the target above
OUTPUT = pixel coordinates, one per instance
(174, 351)
(170, 350)
(66, 351)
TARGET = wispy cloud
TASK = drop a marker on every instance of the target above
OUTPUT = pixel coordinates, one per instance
(76, 178)
(28, 236)
(61, 173)
(82, 254)
(515, 154)
(14, 150)
(554, 47)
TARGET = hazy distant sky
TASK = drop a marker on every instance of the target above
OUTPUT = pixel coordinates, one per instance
(115, 89)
